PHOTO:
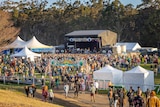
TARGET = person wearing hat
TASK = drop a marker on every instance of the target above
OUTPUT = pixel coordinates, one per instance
(51, 95)
(110, 85)
(153, 101)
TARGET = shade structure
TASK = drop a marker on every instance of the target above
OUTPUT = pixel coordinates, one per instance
(109, 73)
(130, 46)
(18, 43)
(34, 43)
(25, 52)
(139, 76)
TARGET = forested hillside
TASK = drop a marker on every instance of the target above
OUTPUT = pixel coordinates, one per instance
(29, 18)
(7, 30)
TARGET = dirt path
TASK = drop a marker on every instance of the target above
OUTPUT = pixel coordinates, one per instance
(83, 100)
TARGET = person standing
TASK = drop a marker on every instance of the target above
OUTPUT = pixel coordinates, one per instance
(52, 83)
(66, 89)
(51, 95)
(26, 88)
(43, 80)
(139, 91)
(33, 89)
(130, 96)
(92, 92)
(121, 97)
(96, 84)
(45, 92)
(147, 94)
(72, 83)
(57, 82)
(110, 97)
(76, 90)
(139, 101)
(116, 98)
(153, 101)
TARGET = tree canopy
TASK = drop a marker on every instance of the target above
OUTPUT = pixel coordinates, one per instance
(50, 23)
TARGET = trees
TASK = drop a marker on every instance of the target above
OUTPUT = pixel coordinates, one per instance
(35, 18)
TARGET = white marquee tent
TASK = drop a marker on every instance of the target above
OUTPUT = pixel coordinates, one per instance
(106, 74)
(34, 43)
(18, 43)
(25, 52)
(130, 46)
(139, 76)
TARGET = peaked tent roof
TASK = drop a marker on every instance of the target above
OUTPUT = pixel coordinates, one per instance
(130, 46)
(137, 69)
(109, 73)
(108, 68)
(25, 52)
(139, 76)
(34, 43)
(18, 43)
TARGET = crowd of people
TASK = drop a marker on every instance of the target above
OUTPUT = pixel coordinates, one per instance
(117, 97)
(74, 71)
(61, 64)
(135, 98)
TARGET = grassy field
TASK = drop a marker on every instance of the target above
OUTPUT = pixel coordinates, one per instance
(156, 78)
(10, 92)
(12, 96)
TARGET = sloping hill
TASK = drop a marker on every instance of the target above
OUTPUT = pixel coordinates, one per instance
(17, 99)
(7, 30)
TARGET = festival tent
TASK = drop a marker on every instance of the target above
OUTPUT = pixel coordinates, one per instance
(25, 52)
(36, 46)
(139, 76)
(34, 43)
(130, 46)
(18, 43)
(107, 74)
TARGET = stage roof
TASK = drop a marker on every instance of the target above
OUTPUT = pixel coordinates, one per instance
(84, 33)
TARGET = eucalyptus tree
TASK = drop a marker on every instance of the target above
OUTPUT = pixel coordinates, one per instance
(147, 22)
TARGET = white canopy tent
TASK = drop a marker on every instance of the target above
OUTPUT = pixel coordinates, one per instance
(130, 46)
(18, 43)
(34, 43)
(25, 52)
(139, 76)
(106, 74)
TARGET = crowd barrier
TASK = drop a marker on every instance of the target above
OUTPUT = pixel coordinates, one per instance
(20, 80)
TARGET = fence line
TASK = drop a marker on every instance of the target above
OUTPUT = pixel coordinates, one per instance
(21, 80)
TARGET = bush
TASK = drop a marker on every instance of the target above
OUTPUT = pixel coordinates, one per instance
(102, 91)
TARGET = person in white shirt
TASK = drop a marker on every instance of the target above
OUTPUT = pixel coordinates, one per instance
(92, 92)
(51, 95)
(96, 85)
(66, 89)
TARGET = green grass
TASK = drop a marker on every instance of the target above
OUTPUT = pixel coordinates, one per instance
(102, 91)
(156, 78)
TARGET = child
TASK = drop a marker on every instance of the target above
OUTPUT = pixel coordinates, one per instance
(45, 92)
(51, 95)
